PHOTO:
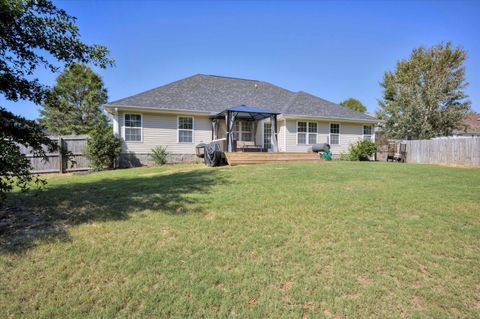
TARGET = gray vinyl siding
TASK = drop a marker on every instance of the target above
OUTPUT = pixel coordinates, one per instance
(161, 130)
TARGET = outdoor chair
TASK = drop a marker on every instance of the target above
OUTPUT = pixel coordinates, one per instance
(402, 154)
(392, 148)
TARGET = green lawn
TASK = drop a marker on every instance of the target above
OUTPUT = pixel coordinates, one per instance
(333, 240)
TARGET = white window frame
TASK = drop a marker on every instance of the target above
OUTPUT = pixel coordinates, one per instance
(371, 132)
(240, 130)
(308, 133)
(141, 127)
(263, 134)
(330, 133)
(192, 130)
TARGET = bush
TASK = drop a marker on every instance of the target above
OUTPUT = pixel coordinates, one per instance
(360, 151)
(15, 170)
(103, 148)
(159, 155)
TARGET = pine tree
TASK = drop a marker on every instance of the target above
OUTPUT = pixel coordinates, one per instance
(354, 104)
(424, 97)
(73, 104)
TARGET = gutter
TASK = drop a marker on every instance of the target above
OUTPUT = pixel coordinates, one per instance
(113, 107)
(342, 119)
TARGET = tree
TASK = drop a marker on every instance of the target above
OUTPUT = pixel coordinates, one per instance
(424, 97)
(73, 105)
(33, 34)
(354, 104)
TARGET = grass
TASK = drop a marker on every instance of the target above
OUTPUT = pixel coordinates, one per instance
(336, 240)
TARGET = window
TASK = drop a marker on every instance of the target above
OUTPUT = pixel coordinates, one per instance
(132, 131)
(334, 134)
(312, 133)
(185, 129)
(302, 133)
(306, 133)
(367, 132)
(267, 136)
(243, 131)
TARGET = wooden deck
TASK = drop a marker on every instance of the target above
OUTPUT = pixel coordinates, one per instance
(238, 158)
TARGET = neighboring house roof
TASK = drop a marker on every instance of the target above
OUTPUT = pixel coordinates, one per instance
(213, 94)
(473, 125)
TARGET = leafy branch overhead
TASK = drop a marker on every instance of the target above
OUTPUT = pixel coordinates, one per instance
(33, 34)
(30, 28)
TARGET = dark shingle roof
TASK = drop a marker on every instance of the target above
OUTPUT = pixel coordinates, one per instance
(307, 104)
(211, 93)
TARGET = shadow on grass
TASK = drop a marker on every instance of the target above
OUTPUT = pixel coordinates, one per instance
(48, 213)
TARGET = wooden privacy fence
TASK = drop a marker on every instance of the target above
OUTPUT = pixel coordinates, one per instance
(57, 162)
(462, 151)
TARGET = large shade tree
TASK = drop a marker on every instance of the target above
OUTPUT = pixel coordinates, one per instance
(354, 104)
(33, 34)
(424, 96)
(73, 105)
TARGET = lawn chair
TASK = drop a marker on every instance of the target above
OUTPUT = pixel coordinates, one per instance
(402, 154)
(392, 148)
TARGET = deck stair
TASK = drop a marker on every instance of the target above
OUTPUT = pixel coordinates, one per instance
(238, 158)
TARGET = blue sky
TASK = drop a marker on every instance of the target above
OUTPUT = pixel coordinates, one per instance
(331, 49)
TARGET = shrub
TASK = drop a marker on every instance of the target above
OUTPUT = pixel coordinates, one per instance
(15, 170)
(159, 155)
(360, 151)
(103, 148)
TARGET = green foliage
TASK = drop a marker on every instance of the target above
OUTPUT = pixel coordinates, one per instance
(14, 166)
(73, 105)
(33, 34)
(30, 28)
(103, 148)
(360, 151)
(424, 97)
(354, 104)
(159, 155)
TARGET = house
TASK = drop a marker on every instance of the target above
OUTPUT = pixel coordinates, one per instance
(472, 127)
(187, 112)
